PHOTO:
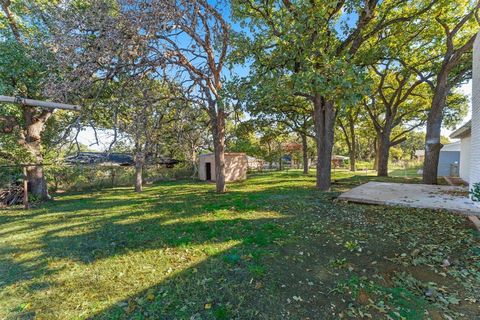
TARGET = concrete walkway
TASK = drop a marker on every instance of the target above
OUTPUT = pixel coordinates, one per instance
(449, 198)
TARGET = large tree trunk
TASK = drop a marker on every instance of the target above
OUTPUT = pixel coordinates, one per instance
(32, 138)
(434, 127)
(139, 161)
(324, 122)
(37, 183)
(353, 162)
(218, 132)
(383, 153)
(305, 153)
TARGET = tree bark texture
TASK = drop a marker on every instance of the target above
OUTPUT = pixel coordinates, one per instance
(324, 122)
(218, 132)
(383, 153)
(434, 127)
(34, 127)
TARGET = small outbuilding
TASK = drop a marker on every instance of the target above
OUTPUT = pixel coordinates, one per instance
(450, 160)
(236, 166)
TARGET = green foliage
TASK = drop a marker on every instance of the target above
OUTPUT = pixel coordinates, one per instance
(456, 109)
(352, 245)
(21, 73)
(80, 178)
(415, 140)
(291, 58)
(475, 192)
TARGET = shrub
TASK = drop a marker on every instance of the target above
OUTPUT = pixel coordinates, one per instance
(77, 178)
(475, 192)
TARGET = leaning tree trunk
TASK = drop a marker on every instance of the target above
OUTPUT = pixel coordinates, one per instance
(139, 161)
(305, 153)
(34, 127)
(434, 127)
(383, 153)
(218, 132)
(324, 122)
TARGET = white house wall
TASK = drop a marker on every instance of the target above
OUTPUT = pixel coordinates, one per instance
(475, 143)
(465, 147)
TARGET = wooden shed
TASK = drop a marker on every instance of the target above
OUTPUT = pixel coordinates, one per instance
(236, 166)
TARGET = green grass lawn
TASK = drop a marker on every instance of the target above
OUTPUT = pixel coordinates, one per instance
(273, 247)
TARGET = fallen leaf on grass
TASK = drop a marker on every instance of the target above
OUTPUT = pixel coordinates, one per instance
(363, 297)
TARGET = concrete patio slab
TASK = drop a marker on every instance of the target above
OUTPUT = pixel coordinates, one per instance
(449, 198)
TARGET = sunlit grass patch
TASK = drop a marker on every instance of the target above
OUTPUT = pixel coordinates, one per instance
(272, 247)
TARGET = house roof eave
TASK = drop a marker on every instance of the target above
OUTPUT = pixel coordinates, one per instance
(463, 131)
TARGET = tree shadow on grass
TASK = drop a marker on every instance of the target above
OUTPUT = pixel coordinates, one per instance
(279, 270)
(227, 285)
(87, 229)
(8, 215)
(113, 239)
(12, 271)
(243, 259)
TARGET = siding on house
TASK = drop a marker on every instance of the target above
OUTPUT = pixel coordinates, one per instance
(465, 147)
(475, 141)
